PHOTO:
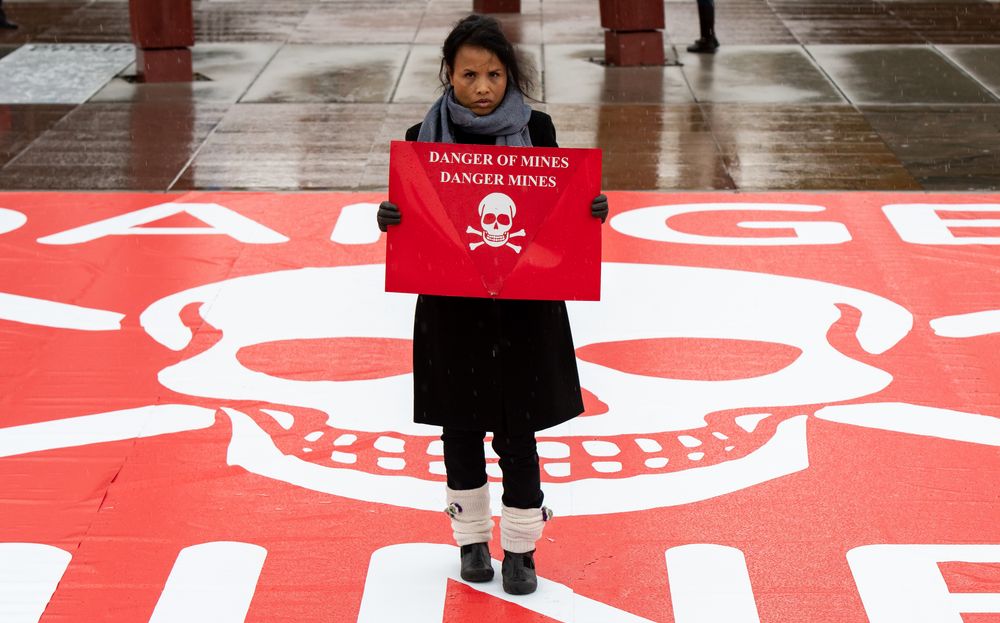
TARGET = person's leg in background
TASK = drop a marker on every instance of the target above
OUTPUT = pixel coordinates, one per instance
(707, 43)
(468, 500)
(4, 22)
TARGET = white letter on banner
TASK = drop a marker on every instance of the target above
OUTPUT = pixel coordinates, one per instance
(44, 313)
(222, 220)
(710, 584)
(11, 220)
(29, 574)
(409, 582)
(211, 583)
(357, 224)
(903, 582)
(920, 223)
(651, 224)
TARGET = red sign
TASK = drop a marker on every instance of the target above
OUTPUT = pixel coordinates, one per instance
(488, 221)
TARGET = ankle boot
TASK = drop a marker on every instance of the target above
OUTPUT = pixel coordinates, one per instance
(477, 566)
(704, 46)
(518, 571)
(519, 529)
(472, 527)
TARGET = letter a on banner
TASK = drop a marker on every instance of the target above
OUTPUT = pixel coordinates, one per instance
(409, 582)
(489, 221)
(221, 220)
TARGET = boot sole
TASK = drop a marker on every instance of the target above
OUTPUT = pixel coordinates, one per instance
(519, 589)
(484, 575)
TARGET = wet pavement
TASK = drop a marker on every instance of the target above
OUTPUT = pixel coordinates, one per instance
(304, 94)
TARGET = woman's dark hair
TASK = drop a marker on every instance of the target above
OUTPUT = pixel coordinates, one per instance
(482, 31)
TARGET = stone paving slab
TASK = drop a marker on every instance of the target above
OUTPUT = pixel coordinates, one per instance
(332, 23)
(843, 22)
(803, 147)
(228, 68)
(41, 73)
(286, 146)
(34, 18)
(114, 146)
(248, 20)
(979, 61)
(572, 77)
(950, 22)
(22, 124)
(897, 75)
(944, 148)
(98, 20)
(757, 75)
(646, 146)
(564, 22)
(329, 73)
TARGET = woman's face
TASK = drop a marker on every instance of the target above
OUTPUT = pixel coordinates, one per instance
(479, 79)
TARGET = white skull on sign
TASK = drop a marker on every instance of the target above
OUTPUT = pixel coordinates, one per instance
(496, 217)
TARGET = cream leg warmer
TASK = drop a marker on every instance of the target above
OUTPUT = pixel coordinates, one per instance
(471, 520)
(521, 527)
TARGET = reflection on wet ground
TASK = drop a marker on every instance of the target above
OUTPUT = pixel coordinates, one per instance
(804, 94)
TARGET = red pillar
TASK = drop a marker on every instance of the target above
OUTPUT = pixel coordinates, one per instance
(163, 32)
(634, 34)
(496, 6)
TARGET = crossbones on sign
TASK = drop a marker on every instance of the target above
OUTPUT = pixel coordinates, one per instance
(496, 217)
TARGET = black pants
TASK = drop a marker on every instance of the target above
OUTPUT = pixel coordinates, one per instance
(706, 18)
(465, 462)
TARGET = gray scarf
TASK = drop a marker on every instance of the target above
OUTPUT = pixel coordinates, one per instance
(508, 122)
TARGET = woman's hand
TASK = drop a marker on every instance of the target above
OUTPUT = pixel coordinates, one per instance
(599, 207)
(388, 214)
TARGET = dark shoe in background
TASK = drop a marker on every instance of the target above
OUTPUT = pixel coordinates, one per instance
(477, 565)
(704, 46)
(518, 573)
(6, 25)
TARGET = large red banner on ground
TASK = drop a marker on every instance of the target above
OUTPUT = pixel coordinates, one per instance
(490, 221)
(205, 415)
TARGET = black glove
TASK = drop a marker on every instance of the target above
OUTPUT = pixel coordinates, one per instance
(388, 214)
(599, 207)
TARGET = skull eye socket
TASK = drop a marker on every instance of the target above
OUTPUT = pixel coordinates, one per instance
(503, 219)
(489, 219)
(694, 359)
(330, 359)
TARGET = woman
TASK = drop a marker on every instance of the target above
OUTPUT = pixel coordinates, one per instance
(479, 365)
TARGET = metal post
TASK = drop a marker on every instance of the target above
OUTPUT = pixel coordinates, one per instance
(496, 6)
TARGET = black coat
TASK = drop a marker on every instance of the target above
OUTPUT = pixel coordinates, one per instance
(491, 364)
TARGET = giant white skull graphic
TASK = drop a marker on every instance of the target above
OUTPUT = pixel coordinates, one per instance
(639, 302)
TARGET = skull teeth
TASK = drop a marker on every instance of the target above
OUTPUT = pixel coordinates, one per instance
(560, 459)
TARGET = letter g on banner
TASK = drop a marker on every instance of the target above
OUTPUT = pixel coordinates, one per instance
(652, 224)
